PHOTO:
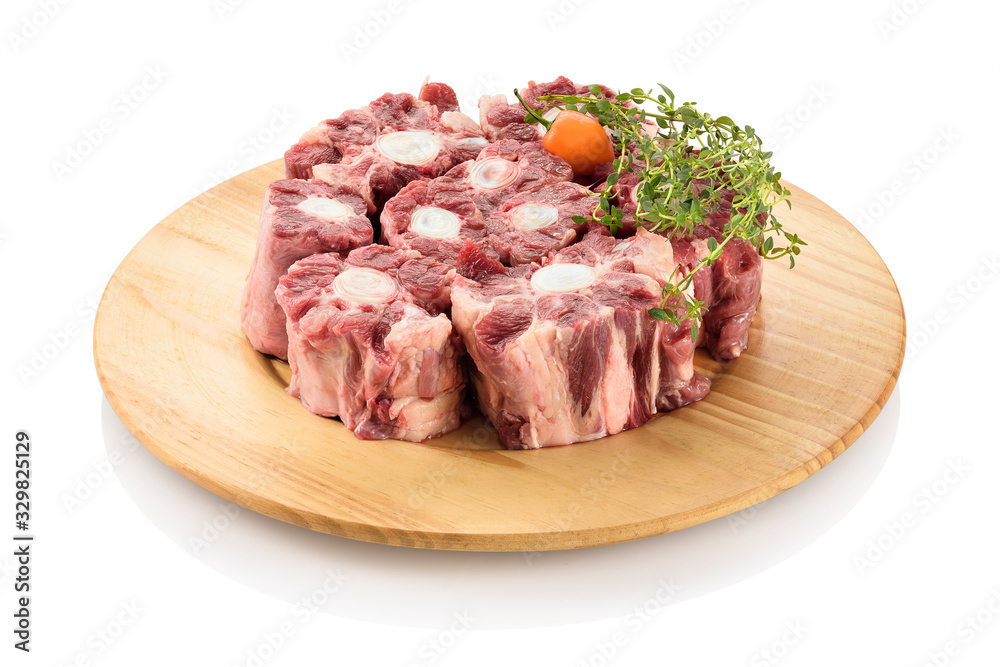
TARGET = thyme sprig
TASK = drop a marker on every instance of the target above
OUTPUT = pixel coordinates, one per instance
(690, 167)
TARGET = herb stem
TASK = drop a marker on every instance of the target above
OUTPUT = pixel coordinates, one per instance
(531, 112)
(691, 166)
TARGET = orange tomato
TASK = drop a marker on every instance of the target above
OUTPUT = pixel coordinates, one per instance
(580, 140)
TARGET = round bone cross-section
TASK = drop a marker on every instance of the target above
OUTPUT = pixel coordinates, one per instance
(299, 218)
(409, 147)
(328, 209)
(363, 285)
(379, 171)
(567, 352)
(528, 217)
(435, 218)
(363, 344)
(435, 223)
(505, 168)
(530, 225)
(561, 278)
(492, 173)
(436, 110)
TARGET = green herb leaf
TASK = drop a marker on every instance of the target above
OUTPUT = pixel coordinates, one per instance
(690, 167)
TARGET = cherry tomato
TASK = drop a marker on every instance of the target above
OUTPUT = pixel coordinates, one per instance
(580, 140)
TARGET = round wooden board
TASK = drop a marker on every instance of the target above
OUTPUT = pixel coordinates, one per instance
(825, 351)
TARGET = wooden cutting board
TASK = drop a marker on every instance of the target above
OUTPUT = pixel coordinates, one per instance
(825, 351)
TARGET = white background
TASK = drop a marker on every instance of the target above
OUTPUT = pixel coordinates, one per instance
(886, 110)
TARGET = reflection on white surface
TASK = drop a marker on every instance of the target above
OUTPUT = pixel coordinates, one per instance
(404, 586)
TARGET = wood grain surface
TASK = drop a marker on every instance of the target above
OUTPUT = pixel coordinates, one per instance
(825, 351)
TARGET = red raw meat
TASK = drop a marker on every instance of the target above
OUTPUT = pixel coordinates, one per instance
(416, 144)
(366, 346)
(436, 218)
(501, 119)
(567, 352)
(435, 110)
(505, 168)
(299, 218)
(530, 225)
